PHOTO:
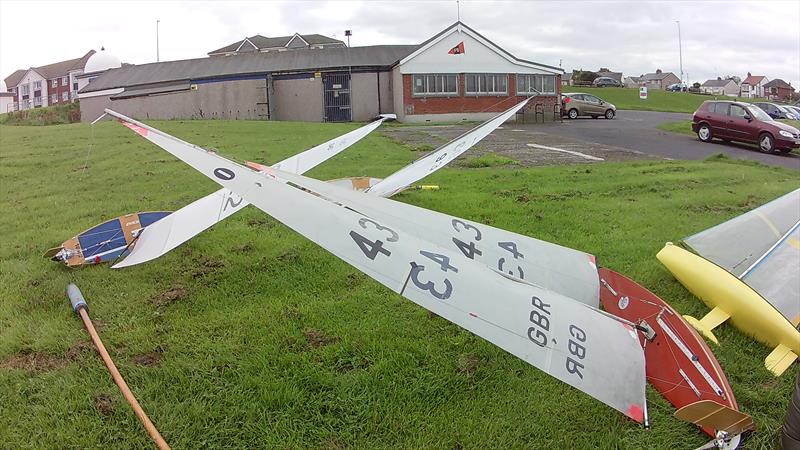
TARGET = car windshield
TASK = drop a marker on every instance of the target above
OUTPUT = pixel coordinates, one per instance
(758, 113)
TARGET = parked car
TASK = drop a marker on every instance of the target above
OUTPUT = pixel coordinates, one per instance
(575, 104)
(677, 87)
(606, 82)
(794, 109)
(790, 112)
(774, 111)
(743, 122)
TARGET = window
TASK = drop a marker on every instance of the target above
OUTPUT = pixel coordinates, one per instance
(37, 85)
(74, 86)
(484, 83)
(591, 98)
(435, 84)
(26, 89)
(65, 96)
(719, 108)
(53, 98)
(536, 84)
(65, 81)
(54, 82)
(37, 101)
(737, 111)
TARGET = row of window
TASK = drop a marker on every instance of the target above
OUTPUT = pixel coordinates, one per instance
(481, 84)
(64, 97)
(37, 101)
(37, 86)
(64, 81)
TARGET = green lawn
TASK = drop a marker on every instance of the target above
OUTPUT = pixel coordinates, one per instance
(249, 336)
(657, 100)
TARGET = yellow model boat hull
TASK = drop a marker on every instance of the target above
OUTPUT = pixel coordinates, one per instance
(732, 299)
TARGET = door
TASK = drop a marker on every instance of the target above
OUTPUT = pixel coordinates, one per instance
(717, 117)
(593, 106)
(738, 127)
(336, 97)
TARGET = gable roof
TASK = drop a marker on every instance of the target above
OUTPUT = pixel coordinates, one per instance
(460, 26)
(263, 42)
(718, 83)
(250, 64)
(656, 76)
(778, 83)
(50, 71)
(753, 80)
(13, 79)
(607, 73)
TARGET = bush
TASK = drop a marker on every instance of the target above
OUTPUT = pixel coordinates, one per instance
(51, 115)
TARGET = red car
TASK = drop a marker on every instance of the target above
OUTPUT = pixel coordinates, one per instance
(743, 122)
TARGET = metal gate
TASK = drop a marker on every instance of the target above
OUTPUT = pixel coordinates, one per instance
(336, 93)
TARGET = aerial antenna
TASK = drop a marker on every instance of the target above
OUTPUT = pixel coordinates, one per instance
(458, 10)
(158, 56)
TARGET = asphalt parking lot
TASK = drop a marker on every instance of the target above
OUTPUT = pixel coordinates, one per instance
(632, 135)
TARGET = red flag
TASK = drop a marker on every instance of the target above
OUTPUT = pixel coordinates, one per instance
(458, 49)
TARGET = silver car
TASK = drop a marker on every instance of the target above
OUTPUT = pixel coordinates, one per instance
(576, 104)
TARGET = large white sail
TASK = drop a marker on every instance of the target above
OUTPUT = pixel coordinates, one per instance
(442, 156)
(569, 272)
(196, 217)
(762, 248)
(574, 343)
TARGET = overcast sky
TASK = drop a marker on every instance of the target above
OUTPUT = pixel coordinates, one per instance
(719, 38)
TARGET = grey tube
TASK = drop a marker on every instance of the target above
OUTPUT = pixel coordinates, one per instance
(76, 298)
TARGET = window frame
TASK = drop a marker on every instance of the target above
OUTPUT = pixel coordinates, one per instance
(54, 83)
(65, 96)
(37, 85)
(531, 80)
(481, 79)
(428, 93)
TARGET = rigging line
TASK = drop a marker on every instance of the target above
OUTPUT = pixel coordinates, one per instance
(127, 247)
(678, 385)
(88, 150)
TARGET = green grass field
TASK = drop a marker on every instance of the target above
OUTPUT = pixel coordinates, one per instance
(657, 100)
(250, 336)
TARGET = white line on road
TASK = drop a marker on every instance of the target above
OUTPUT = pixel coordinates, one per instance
(582, 155)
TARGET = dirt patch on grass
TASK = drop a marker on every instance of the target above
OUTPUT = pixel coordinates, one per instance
(206, 266)
(292, 312)
(173, 294)
(261, 222)
(318, 338)
(334, 444)
(289, 256)
(79, 348)
(33, 362)
(104, 404)
(467, 364)
(151, 359)
(243, 248)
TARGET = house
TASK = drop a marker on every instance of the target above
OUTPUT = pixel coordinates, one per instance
(720, 87)
(458, 74)
(753, 86)
(263, 44)
(658, 80)
(6, 102)
(604, 72)
(631, 82)
(778, 90)
(46, 85)
(566, 79)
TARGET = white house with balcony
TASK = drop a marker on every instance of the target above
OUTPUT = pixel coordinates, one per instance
(47, 85)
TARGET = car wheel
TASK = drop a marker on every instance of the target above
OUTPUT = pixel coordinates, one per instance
(572, 114)
(610, 114)
(704, 133)
(766, 143)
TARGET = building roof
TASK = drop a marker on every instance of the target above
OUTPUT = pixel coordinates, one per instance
(13, 79)
(717, 83)
(753, 80)
(263, 42)
(607, 73)
(778, 83)
(380, 56)
(50, 71)
(656, 76)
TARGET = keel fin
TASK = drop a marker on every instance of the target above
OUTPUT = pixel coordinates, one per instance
(780, 359)
(710, 414)
(713, 319)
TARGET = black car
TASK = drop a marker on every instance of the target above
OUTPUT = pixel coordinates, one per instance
(606, 82)
(774, 111)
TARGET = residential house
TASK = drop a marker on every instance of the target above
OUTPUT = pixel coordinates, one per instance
(46, 85)
(720, 87)
(604, 72)
(779, 90)
(456, 75)
(6, 102)
(264, 44)
(753, 86)
(632, 82)
(658, 80)
(566, 80)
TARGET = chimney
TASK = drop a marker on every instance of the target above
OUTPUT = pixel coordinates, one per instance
(749, 74)
(658, 70)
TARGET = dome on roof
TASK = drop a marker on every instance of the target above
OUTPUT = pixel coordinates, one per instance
(101, 61)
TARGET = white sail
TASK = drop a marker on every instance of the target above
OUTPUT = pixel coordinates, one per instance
(442, 156)
(569, 272)
(196, 217)
(574, 343)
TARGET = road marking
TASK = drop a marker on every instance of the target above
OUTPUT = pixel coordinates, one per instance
(517, 130)
(582, 155)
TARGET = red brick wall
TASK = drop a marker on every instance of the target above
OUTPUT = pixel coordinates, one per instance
(59, 89)
(463, 103)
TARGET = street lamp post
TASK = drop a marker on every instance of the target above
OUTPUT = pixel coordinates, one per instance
(680, 50)
(158, 56)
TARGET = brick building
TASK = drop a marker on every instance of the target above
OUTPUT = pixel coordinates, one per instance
(46, 85)
(456, 75)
